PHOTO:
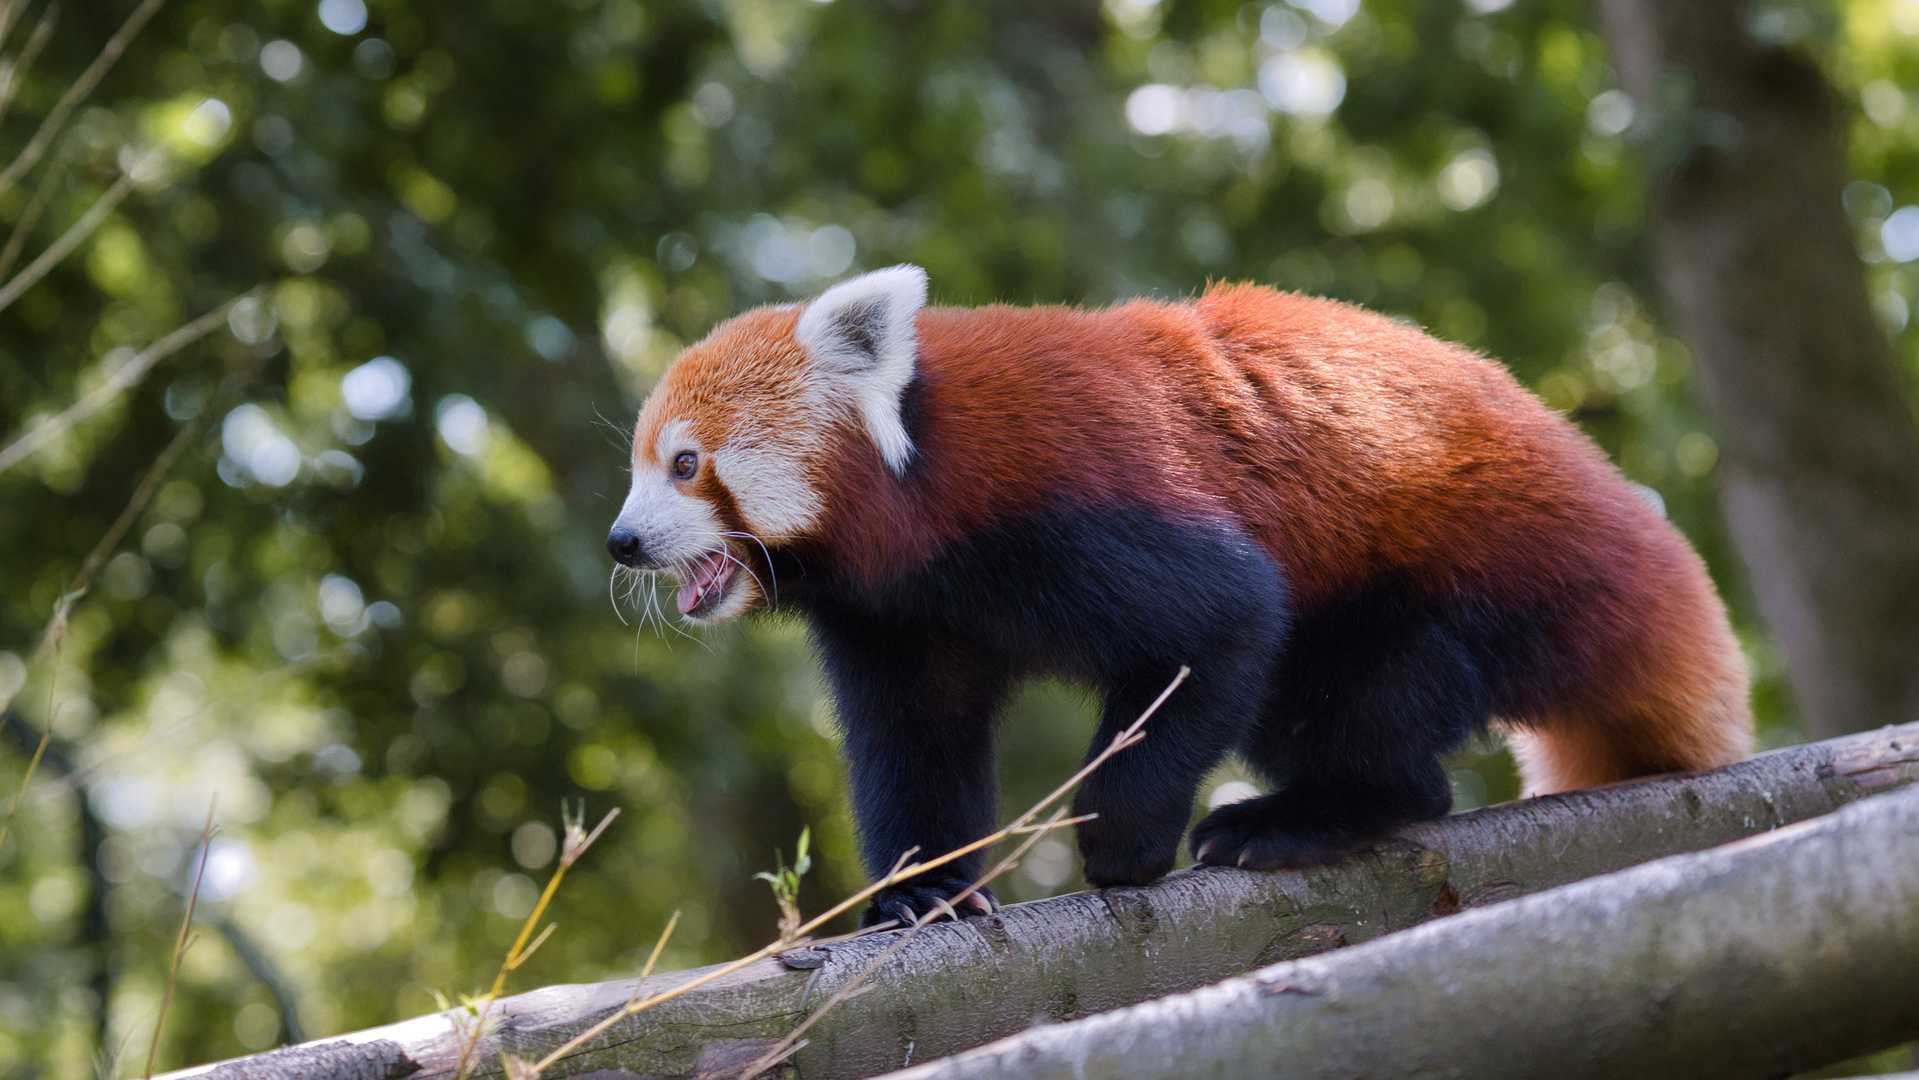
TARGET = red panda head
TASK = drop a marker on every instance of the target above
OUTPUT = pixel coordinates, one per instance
(729, 448)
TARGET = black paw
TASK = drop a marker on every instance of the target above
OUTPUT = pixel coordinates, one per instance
(1268, 834)
(905, 903)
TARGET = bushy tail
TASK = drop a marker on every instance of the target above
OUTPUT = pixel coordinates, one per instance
(1674, 699)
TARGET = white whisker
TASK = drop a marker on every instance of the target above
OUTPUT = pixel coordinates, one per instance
(613, 598)
(644, 588)
(655, 616)
(768, 556)
(735, 560)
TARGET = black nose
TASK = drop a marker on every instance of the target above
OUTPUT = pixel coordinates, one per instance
(625, 548)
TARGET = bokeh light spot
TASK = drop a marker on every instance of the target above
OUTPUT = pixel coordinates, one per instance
(343, 16)
(377, 389)
(281, 60)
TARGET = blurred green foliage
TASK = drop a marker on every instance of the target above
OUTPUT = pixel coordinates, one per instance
(371, 610)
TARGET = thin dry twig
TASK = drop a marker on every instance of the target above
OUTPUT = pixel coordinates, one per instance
(534, 947)
(75, 235)
(577, 841)
(126, 376)
(16, 68)
(634, 1004)
(1049, 826)
(658, 948)
(181, 944)
(795, 1041)
(76, 93)
(900, 872)
(29, 217)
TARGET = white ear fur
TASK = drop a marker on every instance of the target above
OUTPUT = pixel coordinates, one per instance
(860, 337)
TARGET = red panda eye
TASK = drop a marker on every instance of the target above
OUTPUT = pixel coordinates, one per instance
(684, 465)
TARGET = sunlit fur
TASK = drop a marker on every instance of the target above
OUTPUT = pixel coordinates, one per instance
(1367, 542)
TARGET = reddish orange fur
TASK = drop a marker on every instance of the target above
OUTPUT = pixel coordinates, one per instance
(1349, 445)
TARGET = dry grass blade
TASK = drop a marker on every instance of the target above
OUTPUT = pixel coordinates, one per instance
(901, 871)
(516, 961)
(128, 374)
(180, 944)
(658, 948)
(76, 93)
(633, 1005)
(1121, 741)
(17, 68)
(578, 840)
(795, 1041)
(1017, 830)
(75, 235)
(30, 217)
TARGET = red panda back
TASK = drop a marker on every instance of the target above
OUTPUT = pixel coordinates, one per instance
(1352, 447)
(1347, 443)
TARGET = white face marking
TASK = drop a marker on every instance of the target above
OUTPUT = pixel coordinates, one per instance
(770, 489)
(682, 533)
(673, 526)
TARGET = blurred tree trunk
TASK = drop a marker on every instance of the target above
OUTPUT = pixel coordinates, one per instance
(1820, 459)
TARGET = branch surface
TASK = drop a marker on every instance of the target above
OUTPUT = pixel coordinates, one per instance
(1760, 958)
(961, 985)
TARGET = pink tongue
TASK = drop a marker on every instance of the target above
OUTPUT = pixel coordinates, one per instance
(693, 591)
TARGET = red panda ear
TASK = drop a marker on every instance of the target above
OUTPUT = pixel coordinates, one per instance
(860, 339)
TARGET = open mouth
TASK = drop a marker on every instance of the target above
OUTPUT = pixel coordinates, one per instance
(706, 585)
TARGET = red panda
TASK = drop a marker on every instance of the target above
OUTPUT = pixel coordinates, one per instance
(1366, 543)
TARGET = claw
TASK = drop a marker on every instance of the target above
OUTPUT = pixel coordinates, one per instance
(1205, 849)
(907, 903)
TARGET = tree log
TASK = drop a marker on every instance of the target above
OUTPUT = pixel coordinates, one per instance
(1761, 958)
(1819, 469)
(959, 985)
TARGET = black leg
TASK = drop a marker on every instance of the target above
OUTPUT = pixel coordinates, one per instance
(1115, 596)
(916, 708)
(1367, 700)
(1144, 794)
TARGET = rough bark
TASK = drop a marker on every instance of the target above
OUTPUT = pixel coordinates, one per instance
(960, 985)
(1758, 959)
(1819, 455)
